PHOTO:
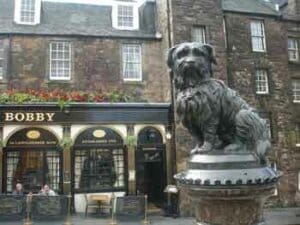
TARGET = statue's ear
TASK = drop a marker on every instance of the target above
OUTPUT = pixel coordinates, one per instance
(170, 56)
(211, 52)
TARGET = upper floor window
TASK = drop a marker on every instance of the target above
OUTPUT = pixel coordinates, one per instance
(1, 59)
(258, 36)
(199, 34)
(293, 51)
(27, 11)
(60, 61)
(125, 16)
(296, 91)
(261, 81)
(132, 62)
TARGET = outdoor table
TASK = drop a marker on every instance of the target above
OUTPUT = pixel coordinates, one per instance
(102, 199)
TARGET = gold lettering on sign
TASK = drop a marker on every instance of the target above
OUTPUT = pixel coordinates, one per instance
(9, 116)
(28, 117)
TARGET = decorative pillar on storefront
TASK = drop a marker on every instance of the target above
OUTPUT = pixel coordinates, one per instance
(131, 145)
(169, 166)
(66, 144)
(1, 157)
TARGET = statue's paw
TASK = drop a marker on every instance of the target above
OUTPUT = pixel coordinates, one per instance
(206, 147)
(234, 148)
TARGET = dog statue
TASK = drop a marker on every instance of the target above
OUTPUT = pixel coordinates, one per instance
(213, 113)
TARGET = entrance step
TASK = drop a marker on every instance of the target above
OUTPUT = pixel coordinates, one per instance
(155, 210)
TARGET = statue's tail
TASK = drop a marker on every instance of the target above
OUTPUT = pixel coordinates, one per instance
(252, 130)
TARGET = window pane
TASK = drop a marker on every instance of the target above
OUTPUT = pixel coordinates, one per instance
(27, 12)
(198, 34)
(258, 36)
(132, 62)
(125, 16)
(99, 169)
(261, 79)
(296, 90)
(293, 52)
(60, 60)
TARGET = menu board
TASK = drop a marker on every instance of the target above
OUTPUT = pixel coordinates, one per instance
(130, 207)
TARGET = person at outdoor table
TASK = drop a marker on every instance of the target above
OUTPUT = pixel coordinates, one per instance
(46, 191)
(18, 190)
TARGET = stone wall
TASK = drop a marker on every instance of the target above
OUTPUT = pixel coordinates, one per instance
(237, 64)
(96, 64)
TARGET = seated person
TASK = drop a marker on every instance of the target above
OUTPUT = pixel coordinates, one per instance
(46, 191)
(18, 190)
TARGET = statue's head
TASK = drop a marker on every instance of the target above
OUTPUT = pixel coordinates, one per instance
(191, 62)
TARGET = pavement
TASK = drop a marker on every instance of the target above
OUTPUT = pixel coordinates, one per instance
(275, 216)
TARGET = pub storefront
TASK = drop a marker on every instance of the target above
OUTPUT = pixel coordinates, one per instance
(86, 148)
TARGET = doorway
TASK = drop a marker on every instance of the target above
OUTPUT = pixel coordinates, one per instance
(150, 165)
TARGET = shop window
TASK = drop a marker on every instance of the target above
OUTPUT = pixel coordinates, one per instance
(199, 34)
(27, 11)
(99, 161)
(258, 36)
(132, 62)
(32, 158)
(60, 61)
(293, 51)
(150, 136)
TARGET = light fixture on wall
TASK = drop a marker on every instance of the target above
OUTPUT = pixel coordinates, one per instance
(169, 133)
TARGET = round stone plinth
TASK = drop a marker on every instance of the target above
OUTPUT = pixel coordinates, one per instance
(229, 189)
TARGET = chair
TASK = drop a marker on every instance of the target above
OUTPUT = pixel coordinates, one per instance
(90, 204)
(106, 204)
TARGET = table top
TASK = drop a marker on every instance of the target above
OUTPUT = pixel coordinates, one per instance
(100, 197)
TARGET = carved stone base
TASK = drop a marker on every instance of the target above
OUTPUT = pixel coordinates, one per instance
(228, 189)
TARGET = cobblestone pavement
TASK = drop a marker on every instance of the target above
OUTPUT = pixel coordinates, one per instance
(278, 216)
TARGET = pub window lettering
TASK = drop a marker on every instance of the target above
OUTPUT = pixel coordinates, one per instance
(199, 34)
(258, 36)
(261, 81)
(293, 50)
(60, 61)
(27, 12)
(132, 62)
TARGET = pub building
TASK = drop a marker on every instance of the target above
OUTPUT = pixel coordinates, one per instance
(85, 148)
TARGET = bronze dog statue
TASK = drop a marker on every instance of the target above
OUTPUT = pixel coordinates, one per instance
(213, 113)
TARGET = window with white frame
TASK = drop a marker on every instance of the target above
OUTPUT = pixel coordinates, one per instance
(258, 36)
(132, 62)
(293, 51)
(261, 81)
(296, 91)
(27, 11)
(1, 59)
(60, 61)
(198, 34)
(125, 16)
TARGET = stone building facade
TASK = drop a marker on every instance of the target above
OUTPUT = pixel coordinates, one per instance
(255, 57)
(54, 44)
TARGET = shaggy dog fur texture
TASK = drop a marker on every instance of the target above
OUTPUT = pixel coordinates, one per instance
(213, 113)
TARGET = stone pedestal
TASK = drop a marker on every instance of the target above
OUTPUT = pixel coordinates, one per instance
(228, 189)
